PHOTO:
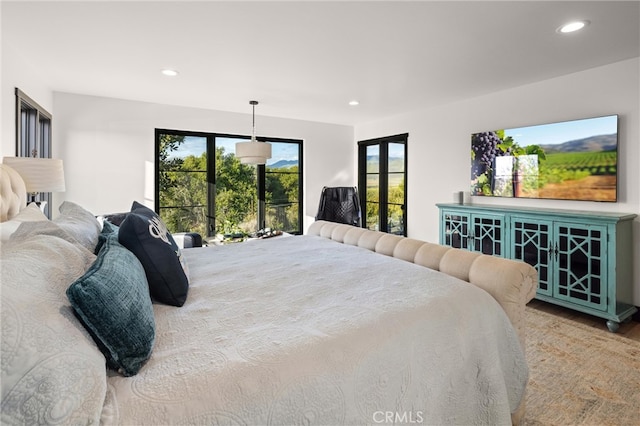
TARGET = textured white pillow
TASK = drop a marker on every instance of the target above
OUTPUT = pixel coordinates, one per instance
(52, 371)
(80, 224)
(31, 213)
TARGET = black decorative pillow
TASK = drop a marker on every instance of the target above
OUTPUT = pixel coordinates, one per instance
(115, 218)
(112, 301)
(144, 233)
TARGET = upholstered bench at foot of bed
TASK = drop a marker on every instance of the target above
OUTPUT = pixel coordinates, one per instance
(512, 283)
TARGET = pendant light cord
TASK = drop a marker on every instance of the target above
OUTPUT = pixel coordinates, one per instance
(253, 136)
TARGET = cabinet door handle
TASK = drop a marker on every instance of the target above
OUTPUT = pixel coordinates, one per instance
(555, 250)
(550, 250)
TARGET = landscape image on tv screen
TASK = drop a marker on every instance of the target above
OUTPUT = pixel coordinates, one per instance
(570, 160)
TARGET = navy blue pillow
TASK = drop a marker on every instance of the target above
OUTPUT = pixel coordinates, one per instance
(115, 218)
(112, 301)
(144, 233)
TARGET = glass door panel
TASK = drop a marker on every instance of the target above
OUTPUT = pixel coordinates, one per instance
(182, 180)
(395, 204)
(456, 230)
(282, 192)
(395, 188)
(373, 159)
(372, 209)
(372, 197)
(487, 234)
(395, 157)
(236, 191)
(581, 267)
(531, 243)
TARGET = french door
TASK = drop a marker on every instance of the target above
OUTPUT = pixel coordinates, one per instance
(382, 183)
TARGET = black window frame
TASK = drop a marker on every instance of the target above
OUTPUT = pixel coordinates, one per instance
(383, 173)
(211, 175)
(33, 135)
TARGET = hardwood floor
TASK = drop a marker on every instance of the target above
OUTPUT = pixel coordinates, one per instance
(630, 329)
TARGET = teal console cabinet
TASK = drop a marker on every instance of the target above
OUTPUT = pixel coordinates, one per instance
(584, 259)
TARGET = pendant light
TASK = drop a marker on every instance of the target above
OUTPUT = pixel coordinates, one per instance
(253, 152)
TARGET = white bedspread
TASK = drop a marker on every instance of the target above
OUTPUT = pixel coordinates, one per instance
(304, 330)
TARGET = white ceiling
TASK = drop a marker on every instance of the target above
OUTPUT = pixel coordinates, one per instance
(307, 60)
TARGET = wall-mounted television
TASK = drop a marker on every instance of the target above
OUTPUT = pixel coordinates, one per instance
(569, 160)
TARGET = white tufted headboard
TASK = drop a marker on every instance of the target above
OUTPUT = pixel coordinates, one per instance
(13, 193)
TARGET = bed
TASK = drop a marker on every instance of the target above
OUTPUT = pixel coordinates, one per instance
(341, 326)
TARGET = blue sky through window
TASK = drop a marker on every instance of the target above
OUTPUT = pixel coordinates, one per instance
(196, 145)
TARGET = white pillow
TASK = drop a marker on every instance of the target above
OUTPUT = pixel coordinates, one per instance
(80, 224)
(31, 213)
(52, 371)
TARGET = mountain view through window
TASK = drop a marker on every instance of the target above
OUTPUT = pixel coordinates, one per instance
(217, 194)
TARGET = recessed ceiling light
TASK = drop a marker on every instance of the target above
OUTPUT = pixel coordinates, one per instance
(572, 26)
(354, 103)
(170, 73)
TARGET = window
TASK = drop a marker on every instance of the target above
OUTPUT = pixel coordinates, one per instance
(382, 183)
(33, 135)
(202, 187)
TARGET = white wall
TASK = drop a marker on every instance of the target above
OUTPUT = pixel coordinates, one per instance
(108, 148)
(17, 73)
(439, 141)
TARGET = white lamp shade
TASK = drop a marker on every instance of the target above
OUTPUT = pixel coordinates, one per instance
(39, 174)
(253, 152)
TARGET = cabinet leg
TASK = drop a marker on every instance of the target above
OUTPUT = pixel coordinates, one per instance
(613, 326)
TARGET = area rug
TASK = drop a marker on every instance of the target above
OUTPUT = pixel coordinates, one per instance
(580, 375)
